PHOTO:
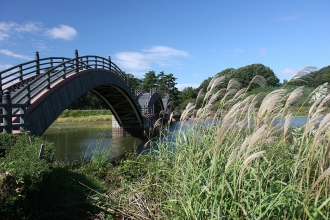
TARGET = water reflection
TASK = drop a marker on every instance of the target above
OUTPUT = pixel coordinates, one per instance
(77, 141)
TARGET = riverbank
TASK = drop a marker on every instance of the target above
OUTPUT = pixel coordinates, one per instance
(84, 116)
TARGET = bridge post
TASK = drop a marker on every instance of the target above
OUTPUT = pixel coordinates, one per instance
(76, 60)
(109, 63)
(7, 114)
(37, 63)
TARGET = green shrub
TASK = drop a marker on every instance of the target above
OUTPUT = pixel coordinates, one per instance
(23, 173)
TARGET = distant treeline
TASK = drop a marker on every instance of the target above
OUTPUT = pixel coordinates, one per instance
(166, 84)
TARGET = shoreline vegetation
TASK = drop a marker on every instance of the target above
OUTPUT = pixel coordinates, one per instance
(77, 116)
(246, 167)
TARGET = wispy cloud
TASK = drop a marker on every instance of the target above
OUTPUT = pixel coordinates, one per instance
(287, 72)
(238, 51)
(290, 17)
(64, 32)
(7, 27)
(11, 54)
(3, 36)
(138, 63)
(262, 51)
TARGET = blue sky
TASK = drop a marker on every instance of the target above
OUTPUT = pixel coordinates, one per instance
(191, 39)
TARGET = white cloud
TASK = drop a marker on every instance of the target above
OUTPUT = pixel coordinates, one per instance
(183, 86)
(27, 27)
(64, 32)
(290, 17)
(3, 36)
(287, 72)
(137, 63)
(261, 51)
(5, 27)
(11, 54)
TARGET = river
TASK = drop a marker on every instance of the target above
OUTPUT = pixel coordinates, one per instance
(81, 140)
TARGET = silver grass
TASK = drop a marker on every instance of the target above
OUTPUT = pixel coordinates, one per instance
(294, 96)
(325, 174)
(188, 111)
(207, 95)
(287, 124)
(322, 127)
(256, 136)
(233, 84)
(231, 158)
(170, 119)
(252, 157)
(260, 80)
(269, 104)
(239, 94)
(304, 71)
(215, 97)
(200, 93)
(216, 80)
(226, 124)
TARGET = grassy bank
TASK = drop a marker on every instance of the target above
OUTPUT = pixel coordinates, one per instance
(84, 116)
(247, 167)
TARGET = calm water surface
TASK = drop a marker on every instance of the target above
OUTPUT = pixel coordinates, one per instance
(74, 141)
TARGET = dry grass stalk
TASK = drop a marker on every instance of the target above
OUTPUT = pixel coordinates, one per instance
(188, 111)
(226, 124)
(325, 174)
(269, 104)
(322, 128)
(287, 124)
(217, 80)
(231, 158)
(294, 96)
(200, 93)
(304, 71)
(240, 93)
(260, 80)
(256, 136)
(252, 157)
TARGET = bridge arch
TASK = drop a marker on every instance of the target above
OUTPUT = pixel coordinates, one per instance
(44, 88)
(108, 86)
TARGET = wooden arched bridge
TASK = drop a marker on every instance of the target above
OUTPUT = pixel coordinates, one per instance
(35, 93)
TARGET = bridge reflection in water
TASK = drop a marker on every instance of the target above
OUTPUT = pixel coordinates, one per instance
(35, 93)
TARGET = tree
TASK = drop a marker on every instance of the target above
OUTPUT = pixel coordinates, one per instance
(134, 82)
(150, 80)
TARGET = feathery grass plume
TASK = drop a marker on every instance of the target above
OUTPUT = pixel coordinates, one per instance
(188, 111)
(325, 174)
(269, 104)
(252, 157)
(239, 94)
(287, 123)
(233, 84)
(324, 125)
(326, 155)
(158, 123)
(170, 119)
(302, 72)
(294, 96)
(226, 124)
(215, 96)
(255, 137)
(324, 101)
(207, 95)
(231, 158)
(215, 81)
(260, 80)
(200, 93)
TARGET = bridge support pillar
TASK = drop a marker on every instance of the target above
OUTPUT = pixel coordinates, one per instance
(117, 130)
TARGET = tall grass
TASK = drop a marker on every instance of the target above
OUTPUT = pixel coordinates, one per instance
(243, 165)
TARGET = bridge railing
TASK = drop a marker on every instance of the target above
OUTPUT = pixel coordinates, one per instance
(41, 74)
(12, 115)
